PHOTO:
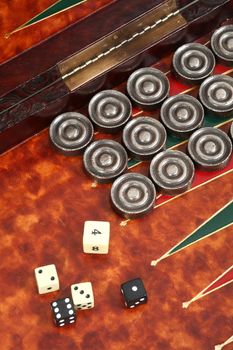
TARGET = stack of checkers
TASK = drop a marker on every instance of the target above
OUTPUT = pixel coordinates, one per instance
(144, 138)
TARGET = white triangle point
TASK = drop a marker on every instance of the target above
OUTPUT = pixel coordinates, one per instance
(186, 304)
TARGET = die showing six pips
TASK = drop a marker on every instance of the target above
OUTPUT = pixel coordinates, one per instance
(182, 115)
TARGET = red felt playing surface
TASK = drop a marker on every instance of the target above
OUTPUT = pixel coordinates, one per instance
(224, 280)
(45, 199)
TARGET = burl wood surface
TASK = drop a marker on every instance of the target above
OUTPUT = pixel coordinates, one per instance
(14, 13)
(45, 199)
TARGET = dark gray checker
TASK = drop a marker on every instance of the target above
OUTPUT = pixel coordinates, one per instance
(210, 148)
(134, 293)
(216, 94)
(182, 115)
(105, 160)
(110, 110)
(133, 195)
(144, 137)
(63, 312)
(193, 63)
(222, 44)
(148, 87)
(70, 133)
(172, 172)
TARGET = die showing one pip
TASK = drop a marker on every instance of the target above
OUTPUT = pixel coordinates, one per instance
(47, 279)
(134, 293)
(82, 295)
(96, 237)
(63, 312)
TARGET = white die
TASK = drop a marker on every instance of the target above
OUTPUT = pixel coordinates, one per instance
(96, 237)
(47, 279)
(82, 295)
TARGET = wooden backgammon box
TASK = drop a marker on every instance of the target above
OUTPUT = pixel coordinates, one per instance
(180, 244)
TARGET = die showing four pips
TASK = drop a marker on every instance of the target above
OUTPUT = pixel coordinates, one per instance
(95, 241)
(106, 160)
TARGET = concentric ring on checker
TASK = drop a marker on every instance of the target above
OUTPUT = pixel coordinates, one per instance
(105, 160)
(182, 115)
(222, 44)
(71, 133)
(148, 87)
(210, 148)
(216, 94)
(133, 195)
(172, 172)
(110, 110)
(144, 137)
(193, 62)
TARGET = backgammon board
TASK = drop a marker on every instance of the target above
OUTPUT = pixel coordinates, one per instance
(46, 197)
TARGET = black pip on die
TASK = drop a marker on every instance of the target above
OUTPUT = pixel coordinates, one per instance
(96, 235)
(134, 293)
(46, 279)
(82, 295)
(63, 312)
